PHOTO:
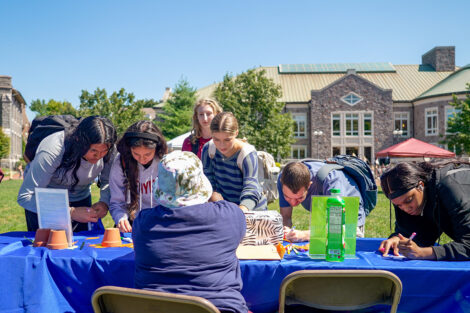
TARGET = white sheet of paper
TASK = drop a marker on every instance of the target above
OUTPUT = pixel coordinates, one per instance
(53, 210)
(395, 257)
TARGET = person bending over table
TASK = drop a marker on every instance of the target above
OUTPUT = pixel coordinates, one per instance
(219, 157)
(134, 170)
(72, 160)
(204, 112)
(297, 183)
(185, 244)
(429, 199)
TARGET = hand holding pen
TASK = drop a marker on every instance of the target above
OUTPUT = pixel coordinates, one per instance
(396, 244)
(413, 235)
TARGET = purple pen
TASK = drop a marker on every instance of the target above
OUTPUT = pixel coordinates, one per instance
(413, 235)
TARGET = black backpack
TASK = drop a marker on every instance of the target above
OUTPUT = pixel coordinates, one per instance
(358, 170)
(43, 126)
(194, 146)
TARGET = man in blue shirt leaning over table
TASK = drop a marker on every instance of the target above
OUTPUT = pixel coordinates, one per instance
(298, 182)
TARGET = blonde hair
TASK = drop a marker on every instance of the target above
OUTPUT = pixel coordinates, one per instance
(225, 122)
(197, 129)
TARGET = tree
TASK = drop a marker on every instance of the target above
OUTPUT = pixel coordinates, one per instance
(121, 107)
(4, 144)
(178, 110)
(147, 103)
(52, 107)
(458, 126)
(253, 99)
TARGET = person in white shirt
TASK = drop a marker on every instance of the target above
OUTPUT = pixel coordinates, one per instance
(134, 171)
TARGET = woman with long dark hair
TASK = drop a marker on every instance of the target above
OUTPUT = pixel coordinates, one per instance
(72, 160)
(429, 199)
(133, 172)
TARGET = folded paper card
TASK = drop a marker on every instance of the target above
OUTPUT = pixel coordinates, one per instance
(53, 210)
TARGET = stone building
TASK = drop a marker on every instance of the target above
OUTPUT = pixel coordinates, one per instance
(355, 108)
(13, 120)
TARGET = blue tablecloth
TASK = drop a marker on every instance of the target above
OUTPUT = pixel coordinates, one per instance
(42, 280)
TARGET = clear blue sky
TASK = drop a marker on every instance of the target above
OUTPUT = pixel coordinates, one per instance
(55, 49)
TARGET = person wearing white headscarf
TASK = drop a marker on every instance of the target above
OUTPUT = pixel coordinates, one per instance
(188, 245)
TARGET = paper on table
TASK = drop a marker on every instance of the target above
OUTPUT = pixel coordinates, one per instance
(393, 256)
(53, 210)
(263, 252)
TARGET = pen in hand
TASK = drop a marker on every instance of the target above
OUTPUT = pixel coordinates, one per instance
(413, 235)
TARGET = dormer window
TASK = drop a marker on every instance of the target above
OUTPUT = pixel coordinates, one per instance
(351, 99)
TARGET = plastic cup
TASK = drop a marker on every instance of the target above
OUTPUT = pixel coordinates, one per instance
(42, 237)
(57, 240)
(111, 238)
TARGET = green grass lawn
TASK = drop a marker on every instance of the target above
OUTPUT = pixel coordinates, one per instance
(12, 215)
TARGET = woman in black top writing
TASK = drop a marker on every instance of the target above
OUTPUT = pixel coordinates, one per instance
(429, 199)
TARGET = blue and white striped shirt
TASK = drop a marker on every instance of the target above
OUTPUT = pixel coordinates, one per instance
(240, 187)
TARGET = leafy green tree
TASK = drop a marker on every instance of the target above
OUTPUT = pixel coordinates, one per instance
(458, 126)
(4, 144)
(121, 107)
(178, 110)
(147, 103)
(253, 99)
(52, 107)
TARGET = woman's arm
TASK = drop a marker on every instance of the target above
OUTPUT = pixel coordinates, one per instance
(251, 192)
(118, 191)
(38, 174)
(207, 164)
(186, 145)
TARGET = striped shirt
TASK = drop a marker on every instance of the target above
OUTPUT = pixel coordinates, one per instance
(240, 187)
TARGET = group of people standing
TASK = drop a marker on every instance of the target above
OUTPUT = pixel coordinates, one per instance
(127, 168)
(195, 201)
(164, 199)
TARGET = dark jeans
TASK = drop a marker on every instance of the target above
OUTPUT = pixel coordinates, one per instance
(32, 218)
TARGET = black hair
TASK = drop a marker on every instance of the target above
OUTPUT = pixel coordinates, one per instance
(405, 176)
(141, 133)
(91, 130)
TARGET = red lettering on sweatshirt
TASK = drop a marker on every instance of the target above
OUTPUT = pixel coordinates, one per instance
(146, 187)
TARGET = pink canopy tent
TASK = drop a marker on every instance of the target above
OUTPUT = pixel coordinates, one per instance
(414, 148)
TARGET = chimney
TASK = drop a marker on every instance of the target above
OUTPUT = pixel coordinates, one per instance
(441, 58)
(166, 94)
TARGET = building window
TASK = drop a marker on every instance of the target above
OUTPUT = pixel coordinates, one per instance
(401, 123)
(368, 154)
(336, 124)
(352, 124)
(300, 130)
(431, 121)
(451, 112)
(336, 151)
(367, 124)
(298, 152)
(354, 151)
(351, 99)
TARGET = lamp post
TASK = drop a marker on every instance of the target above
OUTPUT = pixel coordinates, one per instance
(317, 134)
(397, 134)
